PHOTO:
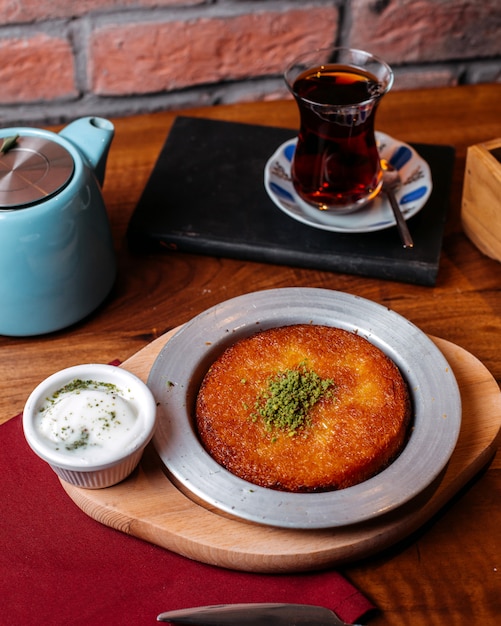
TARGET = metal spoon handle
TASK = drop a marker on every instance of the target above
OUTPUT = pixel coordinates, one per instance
(404, 233)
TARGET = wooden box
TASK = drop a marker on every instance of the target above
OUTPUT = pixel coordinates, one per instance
(481, 203)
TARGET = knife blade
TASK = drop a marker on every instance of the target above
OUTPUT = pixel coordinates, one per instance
(254, 614)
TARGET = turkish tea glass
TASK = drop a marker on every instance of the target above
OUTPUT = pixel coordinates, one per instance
(336, 165)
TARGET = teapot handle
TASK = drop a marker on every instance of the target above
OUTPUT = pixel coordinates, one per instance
(92, 136)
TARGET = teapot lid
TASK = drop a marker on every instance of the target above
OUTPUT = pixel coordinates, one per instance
(32, 169)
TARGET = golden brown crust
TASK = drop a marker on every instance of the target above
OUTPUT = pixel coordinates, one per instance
(353, 434)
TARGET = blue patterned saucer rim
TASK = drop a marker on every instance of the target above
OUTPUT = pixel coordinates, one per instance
(412, 195)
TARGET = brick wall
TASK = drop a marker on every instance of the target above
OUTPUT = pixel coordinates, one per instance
(60, 59)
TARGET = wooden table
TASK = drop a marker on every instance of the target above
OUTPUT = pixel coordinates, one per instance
(451, 572)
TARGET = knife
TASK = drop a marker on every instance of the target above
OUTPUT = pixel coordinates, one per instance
(255, 614)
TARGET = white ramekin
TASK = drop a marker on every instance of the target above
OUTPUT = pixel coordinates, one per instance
(120, 463)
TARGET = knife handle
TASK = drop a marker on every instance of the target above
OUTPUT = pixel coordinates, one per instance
(257, 614)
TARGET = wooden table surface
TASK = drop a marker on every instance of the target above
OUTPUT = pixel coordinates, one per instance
(451, 572)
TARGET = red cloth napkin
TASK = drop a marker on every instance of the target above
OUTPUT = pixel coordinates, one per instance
(58, 566)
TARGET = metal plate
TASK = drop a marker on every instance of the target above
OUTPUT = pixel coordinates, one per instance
(178, 371)
(33, 170)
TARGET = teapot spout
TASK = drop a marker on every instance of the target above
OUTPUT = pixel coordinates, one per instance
(92, 136)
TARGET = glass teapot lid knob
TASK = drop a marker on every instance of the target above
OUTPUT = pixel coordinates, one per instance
(31, 170)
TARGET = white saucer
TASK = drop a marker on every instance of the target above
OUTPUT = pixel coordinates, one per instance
(412, 196)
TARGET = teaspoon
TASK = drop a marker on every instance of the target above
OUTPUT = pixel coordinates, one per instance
(391, 182)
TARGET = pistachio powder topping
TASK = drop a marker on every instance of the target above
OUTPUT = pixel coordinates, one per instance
(78, 385)
(288, 398)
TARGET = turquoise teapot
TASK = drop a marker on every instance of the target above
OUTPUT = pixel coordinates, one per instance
(57, 261)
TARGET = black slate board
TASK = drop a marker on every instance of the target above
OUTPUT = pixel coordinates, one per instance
(206, 195)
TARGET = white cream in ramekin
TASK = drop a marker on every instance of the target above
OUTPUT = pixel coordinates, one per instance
(91, 423)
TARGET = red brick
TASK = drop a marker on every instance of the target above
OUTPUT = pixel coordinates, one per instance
(154, 57)
(28, 10)
(427, 30)
(34, 69)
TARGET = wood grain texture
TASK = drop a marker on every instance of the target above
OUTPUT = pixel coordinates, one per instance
(481, 205)
(149, 506)
(448, 574)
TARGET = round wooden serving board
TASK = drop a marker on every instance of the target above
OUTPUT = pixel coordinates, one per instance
(149, 506)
